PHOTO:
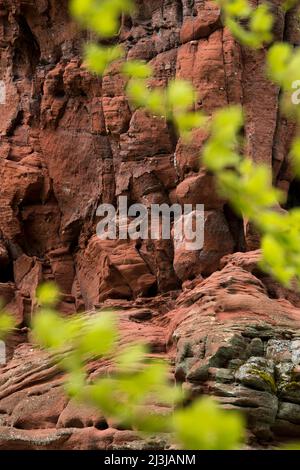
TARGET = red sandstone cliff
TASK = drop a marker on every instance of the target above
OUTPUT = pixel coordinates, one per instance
(70, 141)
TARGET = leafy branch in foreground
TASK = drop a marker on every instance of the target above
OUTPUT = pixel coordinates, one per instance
(259, 21)
(136, 392)
(249, 189)
(135, 380)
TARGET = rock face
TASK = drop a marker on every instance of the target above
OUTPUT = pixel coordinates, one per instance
(71, 141)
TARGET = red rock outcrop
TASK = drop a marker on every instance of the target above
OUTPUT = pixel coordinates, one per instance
(70, 141)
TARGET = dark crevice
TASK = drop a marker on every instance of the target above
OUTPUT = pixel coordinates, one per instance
(188, 8)
(126, 23)
(7, 271)
(101, 425)
(179, 12)
(173, 134)
(16, 122)
(293, 197)
(236, 227)
(27, 51)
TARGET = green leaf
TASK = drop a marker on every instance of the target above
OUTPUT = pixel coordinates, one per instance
(98, 58)
(226, 123)
(75, 384)
(131, 357)
(219, 151)
(7, 323)
(274, 259)
(80, 8)
(99, 335)
(137, 92)
(155, 102)
(204, 426)
(216, 156)
(188, 121)
(295, 155)
(238, 8)
(180, 94)
(262, 21)
(278, 58)
(49, 330)
(137, 69)
(104, 394)
(102, 17)
(47, 294)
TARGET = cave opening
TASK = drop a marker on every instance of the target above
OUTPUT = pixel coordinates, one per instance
(6, 264)
(27, 51)
(293, 196)
(236, 227)
(7, 273)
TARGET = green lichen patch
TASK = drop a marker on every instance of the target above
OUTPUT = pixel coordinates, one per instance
(265, 376)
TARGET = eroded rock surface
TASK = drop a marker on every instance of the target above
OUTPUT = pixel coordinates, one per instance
(70, 141)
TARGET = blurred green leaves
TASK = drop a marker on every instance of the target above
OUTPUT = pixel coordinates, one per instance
(101, 16)
(7, 324)
(89, 336)
(50, 330)
(98, 58)
(137, 69)
(47, 294)
(98, 335)
(249, 189)
(278, 59)
(180, 95)
(295, 156)
(174, 103)
(246, 185)
(255, 30)
(280, 245)
(135, 397)
(203, 425)
(135, 391)
(283, 65)
(236, 8)
(221, 149)
(136, 381)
